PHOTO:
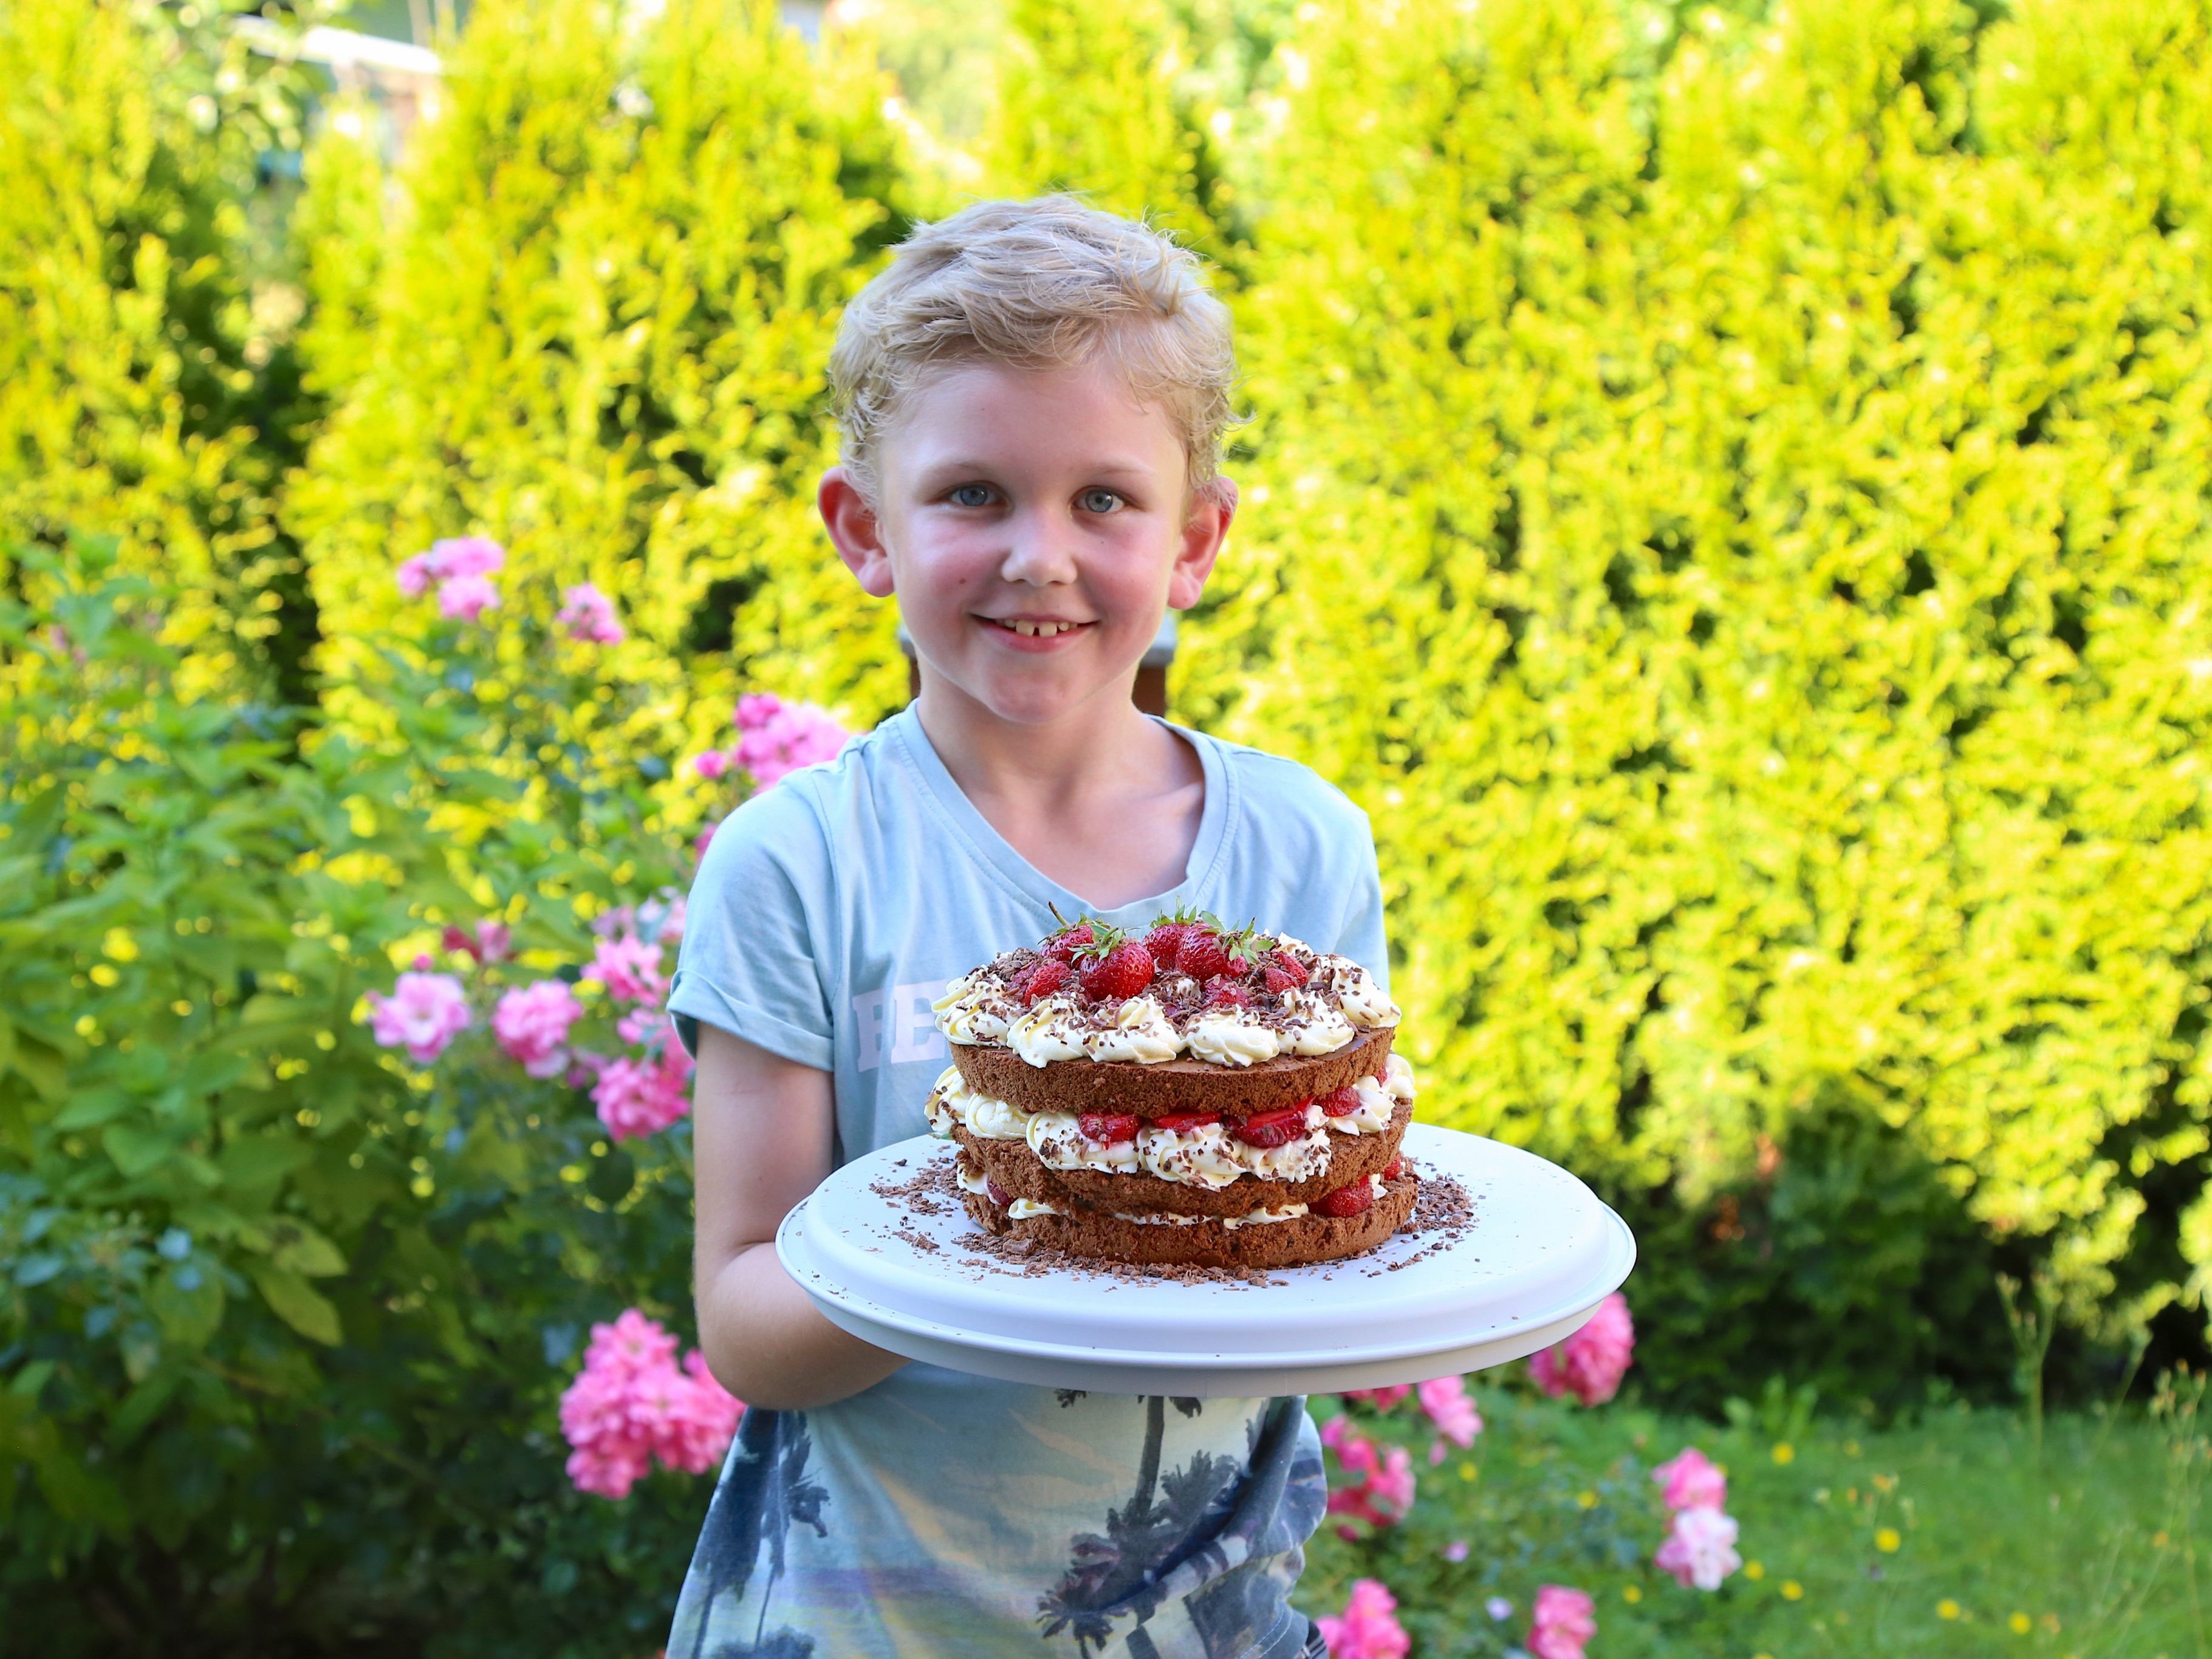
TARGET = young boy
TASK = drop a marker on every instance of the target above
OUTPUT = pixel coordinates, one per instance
(1032, 399)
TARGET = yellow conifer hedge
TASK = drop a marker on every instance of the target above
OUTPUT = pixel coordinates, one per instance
(599, 335)
(1743, 537)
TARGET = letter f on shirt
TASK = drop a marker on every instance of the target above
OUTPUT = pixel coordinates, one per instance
(895, 1026)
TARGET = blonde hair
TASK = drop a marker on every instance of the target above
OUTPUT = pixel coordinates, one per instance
(1048, 284)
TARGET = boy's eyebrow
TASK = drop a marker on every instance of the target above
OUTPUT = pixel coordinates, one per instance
(1124, 467)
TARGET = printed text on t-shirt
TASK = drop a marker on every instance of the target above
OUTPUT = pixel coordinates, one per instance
(895, 1026)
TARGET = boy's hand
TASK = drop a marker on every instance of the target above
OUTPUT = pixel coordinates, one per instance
(761, 1133)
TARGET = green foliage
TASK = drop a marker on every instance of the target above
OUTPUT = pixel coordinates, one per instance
(149, 382)
(1741, 533)
(2092, 1545)
(1096, 100)
(285, 1320)
(599, 334)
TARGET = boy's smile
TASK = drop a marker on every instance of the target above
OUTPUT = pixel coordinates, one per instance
(1035, 525)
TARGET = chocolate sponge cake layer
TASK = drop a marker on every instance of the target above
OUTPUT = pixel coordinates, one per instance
(1308, 1238)
(1019, 1171)
(1171, 1086)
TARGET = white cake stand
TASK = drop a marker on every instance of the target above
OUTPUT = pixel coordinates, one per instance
(1540, 1255)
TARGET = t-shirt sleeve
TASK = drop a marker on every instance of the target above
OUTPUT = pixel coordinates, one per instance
(1360, 935)
(751, 959)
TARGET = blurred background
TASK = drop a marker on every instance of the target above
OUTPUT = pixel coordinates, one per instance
(1726, 490)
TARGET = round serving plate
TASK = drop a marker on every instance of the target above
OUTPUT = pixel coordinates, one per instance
(1537, 1256)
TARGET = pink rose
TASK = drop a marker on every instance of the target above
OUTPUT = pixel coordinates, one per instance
(713, 766)
(1383, 1491)
(465, 556)
(489, 941)
(1692, 1481)
(629, 968)
(532, 1024)
(1445, 1400)
(631, 1403)
(639, 1097)
(776, 737)
(423, 1014)
(472, 557)
(1369, 1628)
(464, 599)
(1382, 1399)
(1591, 1363)
(589, 615)
(1562, 1623)
(1700, 1550)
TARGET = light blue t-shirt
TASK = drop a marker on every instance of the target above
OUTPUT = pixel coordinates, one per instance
(938, 1513)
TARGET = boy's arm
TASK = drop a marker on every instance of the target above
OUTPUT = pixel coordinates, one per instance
(761, 1141)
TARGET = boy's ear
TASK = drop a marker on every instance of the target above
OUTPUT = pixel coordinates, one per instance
(1211, 509)
(853, 527)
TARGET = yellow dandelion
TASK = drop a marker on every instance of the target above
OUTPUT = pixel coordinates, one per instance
(2020, 1623)
(1466, 1471)
(1886, 1539)
(1586, 1499)
(1631, 1593)
(1785, 1452)
(1885, 1483)
(2157, 1539)
(1754, 1571)
(1946, 1608)
(1792, 1590)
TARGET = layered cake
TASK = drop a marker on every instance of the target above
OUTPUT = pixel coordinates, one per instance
(1202, 1095)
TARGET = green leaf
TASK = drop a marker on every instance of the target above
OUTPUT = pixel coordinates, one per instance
(91, 1108)
(302, 1250)
(139, 1407)
(41, 1066)
(187, 1300)
(254, 1166)
(299, 1304)
(134, 1148)
(211, 1071)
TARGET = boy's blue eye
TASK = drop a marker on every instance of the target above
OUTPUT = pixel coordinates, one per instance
(970, 496)
(1099, 501)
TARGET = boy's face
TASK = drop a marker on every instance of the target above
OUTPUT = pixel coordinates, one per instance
(1035, 525)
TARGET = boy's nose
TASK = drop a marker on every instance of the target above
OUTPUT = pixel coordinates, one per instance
(1040, 549)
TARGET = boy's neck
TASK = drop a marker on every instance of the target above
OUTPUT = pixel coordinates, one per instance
(1085, 752)
(1104, 800)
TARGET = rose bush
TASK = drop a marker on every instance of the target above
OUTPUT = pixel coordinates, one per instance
(311, 1186)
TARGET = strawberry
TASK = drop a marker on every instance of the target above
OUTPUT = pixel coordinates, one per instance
(1120, 968)
(1202, 954)
(1108, 1128)
(1278, 980)
(1344, 1102)
(1179, 1122)
(1276, 1128)
(1344, 1200)
(1393, 1169)
(998, 1195)
(1069, 940)
(1040, 980)
(1163, 942)
(1227, 994)
(1283, 962)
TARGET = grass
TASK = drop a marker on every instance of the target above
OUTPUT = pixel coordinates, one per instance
(1948, 1535)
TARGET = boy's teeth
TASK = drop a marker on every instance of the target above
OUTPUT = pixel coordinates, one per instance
(1034, 629)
